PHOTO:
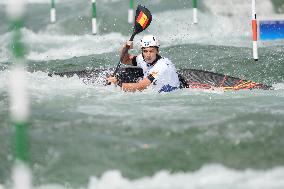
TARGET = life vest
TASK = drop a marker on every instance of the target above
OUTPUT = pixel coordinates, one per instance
(162, 73)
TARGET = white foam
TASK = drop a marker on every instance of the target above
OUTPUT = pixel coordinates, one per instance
(50, 186)
(63, 1)
(49, 46)
(4, 48)
(38, 1)
(278, 86)
(207, 177)
(42, 86)
(223, 23)
(238, 8)
(226, 23)
(210, 176)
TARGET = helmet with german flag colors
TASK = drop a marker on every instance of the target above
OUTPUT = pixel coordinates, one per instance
(149, 41)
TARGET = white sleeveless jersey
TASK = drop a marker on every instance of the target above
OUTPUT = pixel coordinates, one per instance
(162, 74)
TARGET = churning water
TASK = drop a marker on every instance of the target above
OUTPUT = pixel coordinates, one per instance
(97, 137)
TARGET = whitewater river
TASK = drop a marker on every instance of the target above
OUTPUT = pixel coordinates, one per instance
(98, 137)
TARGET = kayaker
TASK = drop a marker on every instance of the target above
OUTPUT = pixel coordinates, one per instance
(159, 72)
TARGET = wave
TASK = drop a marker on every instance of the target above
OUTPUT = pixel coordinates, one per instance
(212, 176)
(40, 83)
(57, 1)
(223, 23)
(39, 1)
(278, 86)
(45, 46)
(220, 23)
(209, 177)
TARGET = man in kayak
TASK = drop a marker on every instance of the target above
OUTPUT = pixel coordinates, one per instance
(159, 72)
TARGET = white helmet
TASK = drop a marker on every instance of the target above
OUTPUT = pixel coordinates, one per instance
(149, 41)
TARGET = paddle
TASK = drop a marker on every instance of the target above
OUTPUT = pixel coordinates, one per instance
(143, 19)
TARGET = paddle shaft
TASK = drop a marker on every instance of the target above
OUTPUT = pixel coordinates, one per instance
(143, 19)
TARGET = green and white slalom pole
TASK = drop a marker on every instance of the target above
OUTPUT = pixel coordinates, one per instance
(94, 17)
(254, 32)
(131, 12)
(19, 104)
(52, 12)
(194, 4)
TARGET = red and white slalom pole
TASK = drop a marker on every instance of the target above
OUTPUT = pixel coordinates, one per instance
(254, 31)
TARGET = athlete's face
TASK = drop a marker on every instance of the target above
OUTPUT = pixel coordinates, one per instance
(150, 54)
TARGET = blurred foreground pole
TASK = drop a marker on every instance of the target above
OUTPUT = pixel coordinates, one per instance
(52, 12)
(194, 4)
(94, 17)
(19, 105)
(131, 12)
(254, 32)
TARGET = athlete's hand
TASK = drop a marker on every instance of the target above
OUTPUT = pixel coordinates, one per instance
(112, 80)
(129, 44)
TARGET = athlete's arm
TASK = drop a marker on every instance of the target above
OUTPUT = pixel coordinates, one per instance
(140, 86)
(130, 87)
(127, 59)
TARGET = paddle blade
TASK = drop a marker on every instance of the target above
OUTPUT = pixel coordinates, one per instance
(143, 19)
